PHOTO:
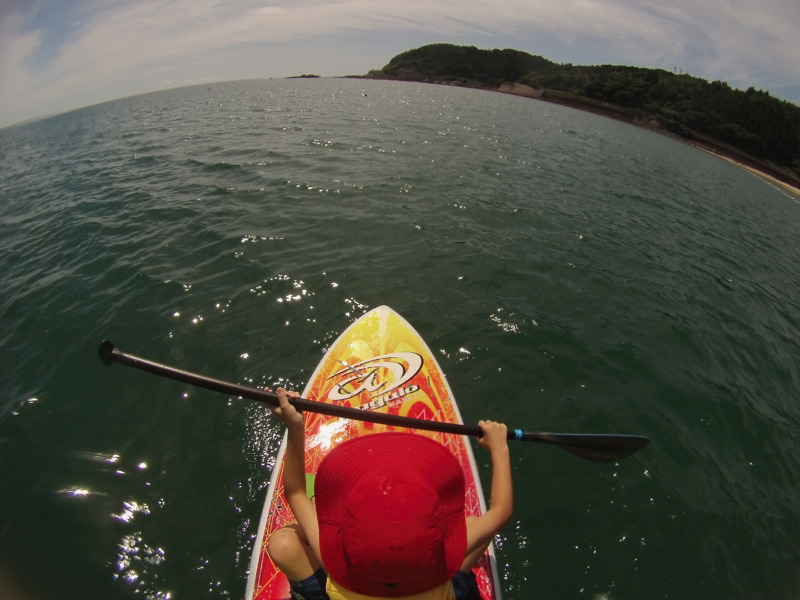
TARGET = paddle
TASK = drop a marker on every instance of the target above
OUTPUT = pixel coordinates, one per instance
(599, 448)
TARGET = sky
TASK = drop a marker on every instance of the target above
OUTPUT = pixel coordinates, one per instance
(59, 55)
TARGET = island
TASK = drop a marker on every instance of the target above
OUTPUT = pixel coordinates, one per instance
(750, 128)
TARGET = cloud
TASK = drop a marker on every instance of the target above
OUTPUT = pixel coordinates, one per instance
(106, 50)
(16, 51)
(750, 42)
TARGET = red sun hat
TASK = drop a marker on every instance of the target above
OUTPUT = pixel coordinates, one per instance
(390, 508)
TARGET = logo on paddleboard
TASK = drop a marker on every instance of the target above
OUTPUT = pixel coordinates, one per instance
(384, 378)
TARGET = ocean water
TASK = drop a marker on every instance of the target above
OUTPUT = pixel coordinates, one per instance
(571, 273)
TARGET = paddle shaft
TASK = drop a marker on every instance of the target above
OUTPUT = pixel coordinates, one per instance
(601, 448)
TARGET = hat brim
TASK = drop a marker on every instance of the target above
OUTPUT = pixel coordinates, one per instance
(354, 459)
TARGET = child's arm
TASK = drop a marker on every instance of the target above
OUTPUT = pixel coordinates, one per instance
(480, 531)
(294, 470)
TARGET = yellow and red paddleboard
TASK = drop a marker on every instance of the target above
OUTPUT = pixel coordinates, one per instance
(380, 363)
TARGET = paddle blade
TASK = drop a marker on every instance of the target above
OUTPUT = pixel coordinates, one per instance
(598, 448)
(106, 352)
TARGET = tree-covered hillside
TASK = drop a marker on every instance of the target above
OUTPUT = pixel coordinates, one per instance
(488, 67)
(749, 125)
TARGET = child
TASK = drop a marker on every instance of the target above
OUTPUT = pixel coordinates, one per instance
(388, 517)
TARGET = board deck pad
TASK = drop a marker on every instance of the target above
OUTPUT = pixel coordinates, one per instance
(379, 363)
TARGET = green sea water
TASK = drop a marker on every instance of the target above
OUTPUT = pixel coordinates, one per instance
(570, 272)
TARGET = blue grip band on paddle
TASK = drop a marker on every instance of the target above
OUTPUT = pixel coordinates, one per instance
(518, 433)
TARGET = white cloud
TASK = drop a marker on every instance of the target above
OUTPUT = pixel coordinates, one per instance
(16, 52)
(122, 48)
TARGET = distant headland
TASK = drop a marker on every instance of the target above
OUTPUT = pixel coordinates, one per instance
(749, 127)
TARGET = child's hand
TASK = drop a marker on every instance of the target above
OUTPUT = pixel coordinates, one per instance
(494, 435)
(286, 412)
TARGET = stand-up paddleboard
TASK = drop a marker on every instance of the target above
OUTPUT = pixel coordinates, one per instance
(380, 363)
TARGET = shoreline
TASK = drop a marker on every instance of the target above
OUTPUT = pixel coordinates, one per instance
(733, 156)
(518, 89)
(769, 178)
